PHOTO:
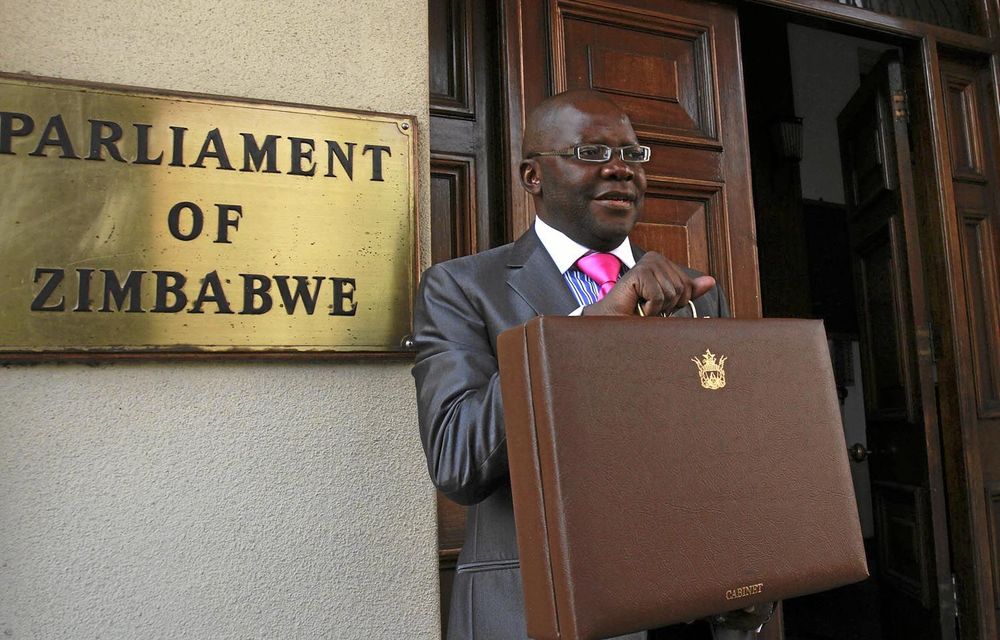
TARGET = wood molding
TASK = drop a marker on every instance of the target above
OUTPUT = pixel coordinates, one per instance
(900, 509)
(459, 99)
(520, 210)
(982, 291)
(710, 255)
(459, 173)
(966, 141)
(880, 267)
(854, 16)
(704, 132)
(993, 509)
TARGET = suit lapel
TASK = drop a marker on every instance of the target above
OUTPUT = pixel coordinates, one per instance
(533, 275)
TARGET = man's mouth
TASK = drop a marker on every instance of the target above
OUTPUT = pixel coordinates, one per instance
(617, 199)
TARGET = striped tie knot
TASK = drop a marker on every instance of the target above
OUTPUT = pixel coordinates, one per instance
(602, 268)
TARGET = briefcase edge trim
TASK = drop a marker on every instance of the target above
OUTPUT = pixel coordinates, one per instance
(537, 585)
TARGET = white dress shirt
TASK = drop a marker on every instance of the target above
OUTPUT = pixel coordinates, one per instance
(565, 252)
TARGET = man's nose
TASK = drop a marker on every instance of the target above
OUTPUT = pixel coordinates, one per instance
(617, 169)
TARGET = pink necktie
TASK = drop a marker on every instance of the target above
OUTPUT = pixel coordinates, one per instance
(603, 268)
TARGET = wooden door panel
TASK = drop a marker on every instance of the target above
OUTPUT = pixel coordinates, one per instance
(870, 158)
(679, 219)
(965, 132)
(693, 164)
(970, 132)
(453, 199)
(450, 52)
(901, 518)
(656, 68)
(993, 520)
(971, 196)
(883, 334)
(678, 228)
(610, 70)
(873, 190)
(979, 258)
(674, 67)
(871, 167)
(667, 63)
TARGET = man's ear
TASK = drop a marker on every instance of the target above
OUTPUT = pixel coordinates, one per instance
(531, 177)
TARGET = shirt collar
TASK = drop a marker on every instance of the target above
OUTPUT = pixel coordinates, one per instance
(565, 252)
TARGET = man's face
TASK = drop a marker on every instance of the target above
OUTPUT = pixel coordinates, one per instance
(595, 204)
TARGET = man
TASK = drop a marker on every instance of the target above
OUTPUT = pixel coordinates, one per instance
(583, 168)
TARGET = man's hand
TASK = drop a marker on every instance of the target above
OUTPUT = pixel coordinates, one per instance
(659, 284)
(745, 619)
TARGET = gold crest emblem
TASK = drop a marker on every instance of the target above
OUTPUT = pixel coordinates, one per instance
(710, 370)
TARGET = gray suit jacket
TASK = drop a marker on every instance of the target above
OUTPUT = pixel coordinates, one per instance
(461, 308)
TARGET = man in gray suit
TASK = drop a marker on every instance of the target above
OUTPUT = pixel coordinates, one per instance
(583, 167)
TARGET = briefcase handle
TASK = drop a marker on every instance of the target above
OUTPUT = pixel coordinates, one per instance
(694, 312)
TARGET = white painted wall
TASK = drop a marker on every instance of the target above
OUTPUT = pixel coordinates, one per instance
(212, 499)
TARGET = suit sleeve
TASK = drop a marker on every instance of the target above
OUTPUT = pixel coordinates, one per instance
(714, 303)
(458, 391)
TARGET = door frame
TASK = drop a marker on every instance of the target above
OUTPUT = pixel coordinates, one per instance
(913, 298)
(957, 487)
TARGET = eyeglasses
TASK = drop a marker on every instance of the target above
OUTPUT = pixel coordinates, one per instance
(601, 153)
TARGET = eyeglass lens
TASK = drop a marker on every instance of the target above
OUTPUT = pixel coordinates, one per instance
(602, 152)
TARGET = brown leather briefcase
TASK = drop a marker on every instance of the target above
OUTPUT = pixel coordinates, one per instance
(665, 470)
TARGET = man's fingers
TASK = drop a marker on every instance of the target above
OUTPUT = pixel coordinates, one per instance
(684, 286)
(701, 285)
(651, 291)
(672, 287)
(657, 285)
(660, 284)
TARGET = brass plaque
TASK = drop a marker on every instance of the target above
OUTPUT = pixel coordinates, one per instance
(138, 221)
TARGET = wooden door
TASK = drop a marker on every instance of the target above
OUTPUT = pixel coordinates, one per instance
(467, 169)
(674, 67)
(467, 174)
(911, 562)
(968, 320)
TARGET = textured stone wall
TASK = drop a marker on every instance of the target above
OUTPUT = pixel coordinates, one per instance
(219, 499)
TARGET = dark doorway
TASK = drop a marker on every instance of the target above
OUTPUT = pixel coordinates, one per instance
(836, 240)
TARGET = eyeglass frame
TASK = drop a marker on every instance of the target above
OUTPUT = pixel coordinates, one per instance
(574, 152)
